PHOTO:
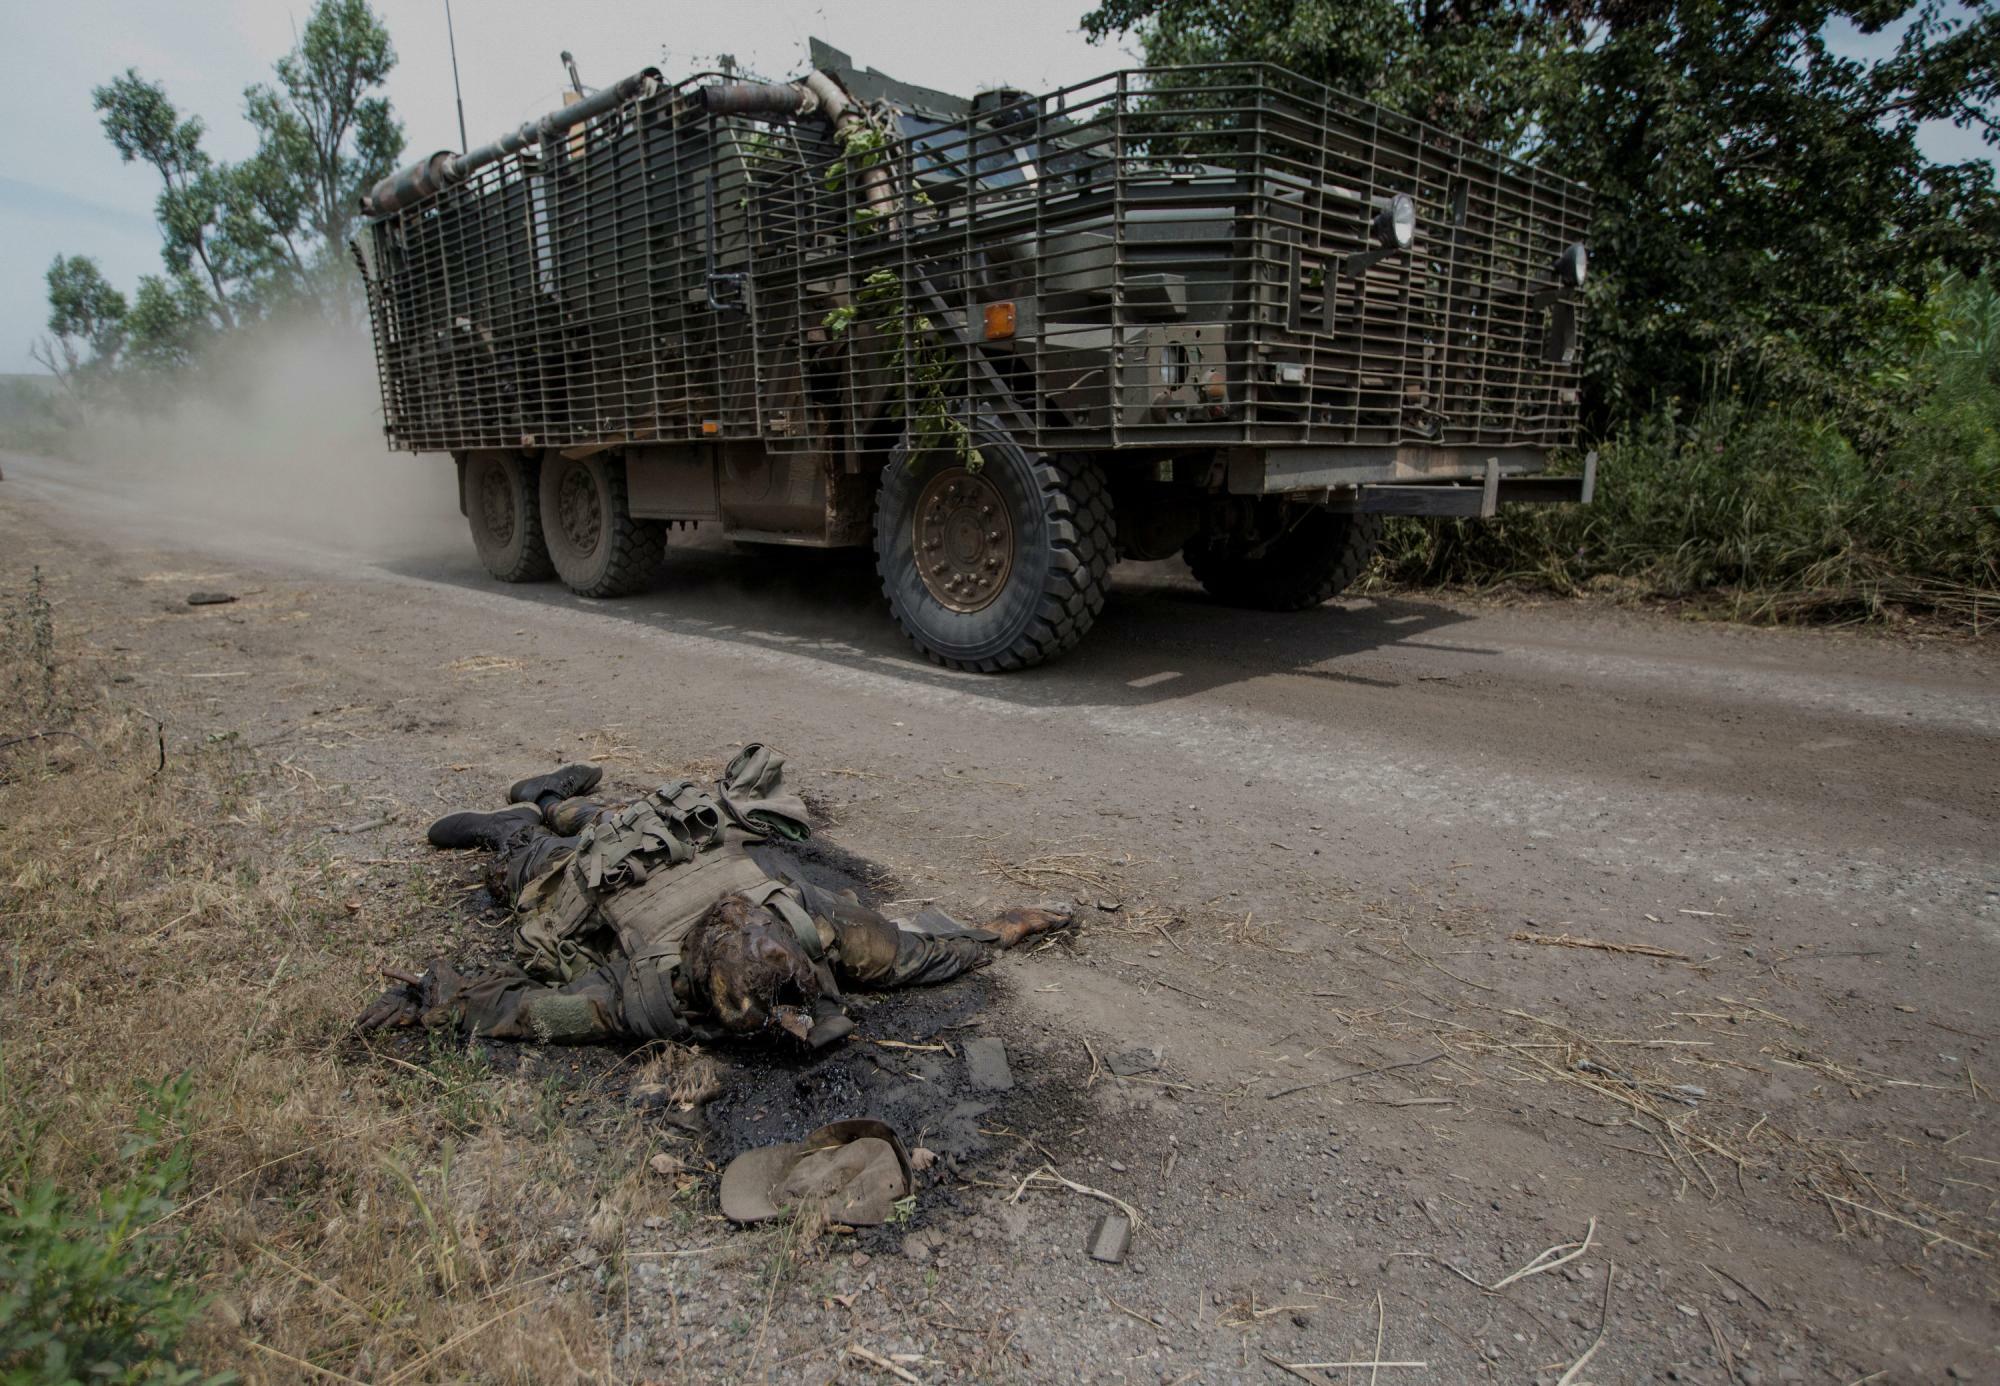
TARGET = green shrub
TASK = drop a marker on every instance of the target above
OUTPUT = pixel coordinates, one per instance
(1775, 510)
(87, 1290)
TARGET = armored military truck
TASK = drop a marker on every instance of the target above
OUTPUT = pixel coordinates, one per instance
(1221, 312)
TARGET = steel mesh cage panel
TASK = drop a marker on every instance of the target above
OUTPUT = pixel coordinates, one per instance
(1155, 259)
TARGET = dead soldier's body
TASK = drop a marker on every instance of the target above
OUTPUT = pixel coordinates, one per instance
(651, 921)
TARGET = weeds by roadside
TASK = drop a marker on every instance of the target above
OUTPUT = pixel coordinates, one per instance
(203, 1169)
(29, 680)
(85, 1286)
(1766, 514)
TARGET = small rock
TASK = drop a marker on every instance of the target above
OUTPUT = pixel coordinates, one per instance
(1133, 1061)
(859, 1259)
(1110, 1238)
(210, 598)
(986, 1064)
(665, 1164)
(1110, 906)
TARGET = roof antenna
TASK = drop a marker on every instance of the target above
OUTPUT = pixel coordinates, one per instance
(575, 82)
(452, 39)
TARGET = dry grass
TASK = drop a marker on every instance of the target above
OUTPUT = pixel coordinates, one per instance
(1696, 1110)
(352, 1213)
(1089, 873)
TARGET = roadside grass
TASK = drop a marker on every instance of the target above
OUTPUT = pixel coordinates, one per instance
(204, 1170)
(1762, 520)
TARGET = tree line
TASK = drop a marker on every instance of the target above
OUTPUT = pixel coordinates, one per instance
(239, 241)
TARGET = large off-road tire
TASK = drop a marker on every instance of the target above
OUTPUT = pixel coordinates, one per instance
(1015, 556)
(1318, 554)
(598, 548)
(503, 505)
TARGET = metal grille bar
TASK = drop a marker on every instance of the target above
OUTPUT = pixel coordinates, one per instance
(1159, 259)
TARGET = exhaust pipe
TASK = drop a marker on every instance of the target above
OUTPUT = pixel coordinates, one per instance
(815, 93)
(444, 168)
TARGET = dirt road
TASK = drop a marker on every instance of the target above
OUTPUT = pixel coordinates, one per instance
(1397, 832)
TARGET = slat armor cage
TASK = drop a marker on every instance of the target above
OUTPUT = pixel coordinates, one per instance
(1156, 259)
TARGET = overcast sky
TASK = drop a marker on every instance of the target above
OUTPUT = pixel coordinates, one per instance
(64, 190)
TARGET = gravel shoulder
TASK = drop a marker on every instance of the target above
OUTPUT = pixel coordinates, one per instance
(1429, 839)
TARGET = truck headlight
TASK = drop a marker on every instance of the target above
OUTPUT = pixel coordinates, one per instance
(1573, 267)
(1395, 226)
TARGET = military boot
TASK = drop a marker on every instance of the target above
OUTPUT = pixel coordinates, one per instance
(565, 783)
(488, 830)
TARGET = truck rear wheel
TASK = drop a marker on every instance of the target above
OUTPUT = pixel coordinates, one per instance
(1315, 555)
(503, 506)
(598, 549)
(998, 568)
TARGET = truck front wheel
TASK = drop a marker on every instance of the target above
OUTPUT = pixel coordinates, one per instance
(998, 567)
(503, 506)
(598, 549)
(1296, 561)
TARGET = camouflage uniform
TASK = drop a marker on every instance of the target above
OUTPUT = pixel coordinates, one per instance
(606, 896)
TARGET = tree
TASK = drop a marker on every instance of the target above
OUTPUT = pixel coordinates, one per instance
(237, 240)
(263, 218)
(1763, 212)
(1476, 67)
(144, 126)
(168, 324)
(87, 320)
(1763, 203)
(323, 136)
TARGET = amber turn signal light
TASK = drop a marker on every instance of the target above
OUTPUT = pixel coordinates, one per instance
(999, 321)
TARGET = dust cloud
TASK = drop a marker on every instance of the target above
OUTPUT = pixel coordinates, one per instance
(275, 443)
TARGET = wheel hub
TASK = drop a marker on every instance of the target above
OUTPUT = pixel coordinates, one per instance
(578, 512)
(496, 504)
(963, 539)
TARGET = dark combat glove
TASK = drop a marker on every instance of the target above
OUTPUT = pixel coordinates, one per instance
(425, 1001)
